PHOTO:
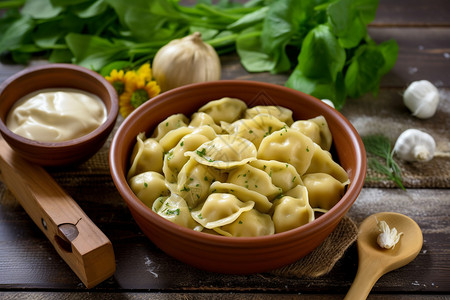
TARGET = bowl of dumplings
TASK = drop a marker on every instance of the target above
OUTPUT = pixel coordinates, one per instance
(236, 176)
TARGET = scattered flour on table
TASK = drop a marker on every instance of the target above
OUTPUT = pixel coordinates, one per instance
(412, 70)
(150, 267)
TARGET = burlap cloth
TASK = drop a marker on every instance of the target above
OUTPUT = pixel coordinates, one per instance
(322, 260)
(432, 174)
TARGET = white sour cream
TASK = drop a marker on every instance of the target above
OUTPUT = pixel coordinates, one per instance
(56, 115)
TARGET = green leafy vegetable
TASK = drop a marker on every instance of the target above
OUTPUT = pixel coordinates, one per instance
(323, 43)
(382, 160)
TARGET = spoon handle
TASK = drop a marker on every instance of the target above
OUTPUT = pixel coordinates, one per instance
(366, 276)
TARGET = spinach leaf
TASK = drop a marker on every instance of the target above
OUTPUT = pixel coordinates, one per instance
(368, 65)
(320, 88)
(321, 56)
(325, 43)
(95, 52)
(248, 46)
(15, 31)
(41, 9)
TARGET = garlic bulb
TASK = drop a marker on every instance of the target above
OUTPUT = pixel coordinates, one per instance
(415, 145)
(422, 99)
(184, 61)
(329, 102)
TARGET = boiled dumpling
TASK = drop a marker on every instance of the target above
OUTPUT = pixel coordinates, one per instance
(324, 190)
(254, 129)
(261, 202)
(292, 211)
(175, 209)
(224, 152)
(322, 162)
(283, 175)
(147, 155)
(194, 181)
(220, 209)
(254, 179)
(172, 137)
(249, 224)
(225, 109)
(281, 113)
(175, 159)
(203, 119)
(316, 129)
(289, 146)
(171, 123)
(148, 186)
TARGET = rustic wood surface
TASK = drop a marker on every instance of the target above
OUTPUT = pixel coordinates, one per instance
(30, 268)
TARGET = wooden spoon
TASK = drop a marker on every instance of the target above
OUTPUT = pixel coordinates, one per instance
(375, 261)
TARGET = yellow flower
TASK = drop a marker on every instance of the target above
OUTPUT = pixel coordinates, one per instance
(118, 80)
(145, 72)
(137, 91)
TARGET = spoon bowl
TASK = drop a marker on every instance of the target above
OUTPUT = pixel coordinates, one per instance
(374, 261)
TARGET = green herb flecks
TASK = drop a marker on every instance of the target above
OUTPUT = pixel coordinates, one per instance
(175, 212)
(380, 159)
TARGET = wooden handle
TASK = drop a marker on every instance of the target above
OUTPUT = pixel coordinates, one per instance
(367, 275)
(82, 245)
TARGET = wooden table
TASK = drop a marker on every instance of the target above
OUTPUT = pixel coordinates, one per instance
(31, 269)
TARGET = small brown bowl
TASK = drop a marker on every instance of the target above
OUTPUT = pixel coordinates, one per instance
(57, 76)
(237, 255)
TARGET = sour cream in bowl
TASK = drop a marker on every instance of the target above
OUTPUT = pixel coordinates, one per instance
(57, 114)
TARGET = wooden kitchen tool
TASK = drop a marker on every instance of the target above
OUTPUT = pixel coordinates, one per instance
(375, 261)
(82, 245)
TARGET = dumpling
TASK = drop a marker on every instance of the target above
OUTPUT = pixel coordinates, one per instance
(289, 146)
(316, 129)
(281, 113)
(148, 186)
(224, 152)
(203, 119)
(175, 159)
(261, 202)
(283, 175)
(324, 190)
(194, 181)
(173, 122)
(254, 129)
(220, 209)
(147, 155)
(322, 162)
(175, 209)
(249, 224)
(224, 109)
(293, 210)
(254, 179)
(172, 138)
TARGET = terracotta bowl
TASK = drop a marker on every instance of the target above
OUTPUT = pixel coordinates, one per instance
(57, 76)
(237, 255)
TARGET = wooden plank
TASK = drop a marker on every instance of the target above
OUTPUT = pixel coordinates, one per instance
(196, 296)
(413, 13)
(28, 261)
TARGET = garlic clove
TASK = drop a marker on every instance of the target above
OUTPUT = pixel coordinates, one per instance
(388, 237)
(415, 146)
(184, 61)
(422, 99)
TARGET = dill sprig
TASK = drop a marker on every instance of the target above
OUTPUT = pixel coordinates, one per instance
(380, 146)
